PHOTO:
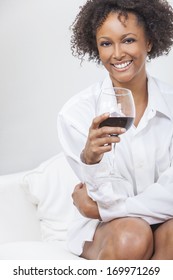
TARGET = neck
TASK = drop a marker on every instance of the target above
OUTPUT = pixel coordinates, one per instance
(138, 88)
(140, 91)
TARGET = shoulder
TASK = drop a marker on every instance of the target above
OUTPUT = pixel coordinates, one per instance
(164, 87)
(162, 94)
(79, 111)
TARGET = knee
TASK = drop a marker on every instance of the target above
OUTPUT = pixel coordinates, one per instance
(134, 242)
(164, 234)
(135, 245)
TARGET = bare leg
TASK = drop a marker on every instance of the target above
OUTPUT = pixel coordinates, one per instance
(121, 239)
(163, 241)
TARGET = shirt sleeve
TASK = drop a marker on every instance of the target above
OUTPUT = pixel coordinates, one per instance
(72, 141)
(104, 193)
(115, 200)
(154, 204)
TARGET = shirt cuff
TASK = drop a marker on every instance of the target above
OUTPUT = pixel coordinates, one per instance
(92, 173)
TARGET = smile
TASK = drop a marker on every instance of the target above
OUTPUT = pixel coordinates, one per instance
(122, 65)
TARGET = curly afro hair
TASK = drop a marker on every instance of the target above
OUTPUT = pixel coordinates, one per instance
(155, 15)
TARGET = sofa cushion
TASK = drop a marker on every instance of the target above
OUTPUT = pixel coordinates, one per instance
(18, 219)
(36, 251)
(49, 187)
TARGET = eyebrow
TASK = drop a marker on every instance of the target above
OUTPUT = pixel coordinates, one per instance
(125, 35)
(122, 37)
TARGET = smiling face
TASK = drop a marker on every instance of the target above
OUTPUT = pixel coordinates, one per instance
(123, 48)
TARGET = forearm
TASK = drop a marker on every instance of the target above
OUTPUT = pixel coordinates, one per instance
(90, 210)
(85, 205)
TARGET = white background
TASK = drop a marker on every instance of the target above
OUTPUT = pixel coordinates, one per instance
(38, 74)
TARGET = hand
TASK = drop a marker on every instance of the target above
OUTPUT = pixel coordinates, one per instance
(86, 206)
(99, 140)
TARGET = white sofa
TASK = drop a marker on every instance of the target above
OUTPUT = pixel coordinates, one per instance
(35, 211)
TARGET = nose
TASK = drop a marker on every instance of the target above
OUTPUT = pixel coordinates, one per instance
(118, 52)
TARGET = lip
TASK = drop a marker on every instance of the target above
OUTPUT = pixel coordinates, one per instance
(122, 66)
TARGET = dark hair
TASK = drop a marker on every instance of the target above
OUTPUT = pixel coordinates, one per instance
(155, 15)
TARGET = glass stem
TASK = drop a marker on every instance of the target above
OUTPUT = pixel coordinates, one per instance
(113, 158)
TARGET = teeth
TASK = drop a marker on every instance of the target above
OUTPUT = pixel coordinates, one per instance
(123, 65)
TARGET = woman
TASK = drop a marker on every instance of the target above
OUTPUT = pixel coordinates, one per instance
(131, 218)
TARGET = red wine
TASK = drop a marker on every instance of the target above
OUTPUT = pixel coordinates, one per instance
(125, 122)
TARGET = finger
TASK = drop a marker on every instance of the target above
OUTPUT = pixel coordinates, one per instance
(108, 130)
(96, 121)
(104, 133)
(104, 145)
(107, 140)
(78, 186)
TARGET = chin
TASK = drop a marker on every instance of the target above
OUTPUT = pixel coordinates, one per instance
(122, 80)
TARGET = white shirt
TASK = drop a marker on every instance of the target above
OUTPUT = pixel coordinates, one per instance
(144, 156)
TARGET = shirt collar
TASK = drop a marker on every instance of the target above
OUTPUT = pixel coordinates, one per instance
(107, 83)
(157, 99)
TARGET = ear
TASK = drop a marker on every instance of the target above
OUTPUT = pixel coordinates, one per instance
(149, 46)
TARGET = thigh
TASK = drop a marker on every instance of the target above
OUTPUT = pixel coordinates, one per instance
(112, 232)
(163, 241)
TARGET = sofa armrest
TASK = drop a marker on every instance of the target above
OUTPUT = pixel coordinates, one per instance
(18, 215)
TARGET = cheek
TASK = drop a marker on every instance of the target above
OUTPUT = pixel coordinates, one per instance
(139, 52)
(142, 57)
(104, 55)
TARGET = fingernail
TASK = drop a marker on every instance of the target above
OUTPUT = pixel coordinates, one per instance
(123, 129)
(106, 114)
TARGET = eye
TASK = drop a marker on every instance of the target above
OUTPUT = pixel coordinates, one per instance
(105, 44)
(129, 40)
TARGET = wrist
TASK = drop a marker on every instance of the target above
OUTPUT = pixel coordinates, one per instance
(82, 157)
(91, 210)
(86, 161)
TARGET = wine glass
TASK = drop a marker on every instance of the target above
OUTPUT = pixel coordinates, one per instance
(120, 105)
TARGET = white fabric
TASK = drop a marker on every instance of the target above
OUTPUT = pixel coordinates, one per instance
(144, 157)
(18, 219)
(49, 187)
(36, 251)
(36, 206)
